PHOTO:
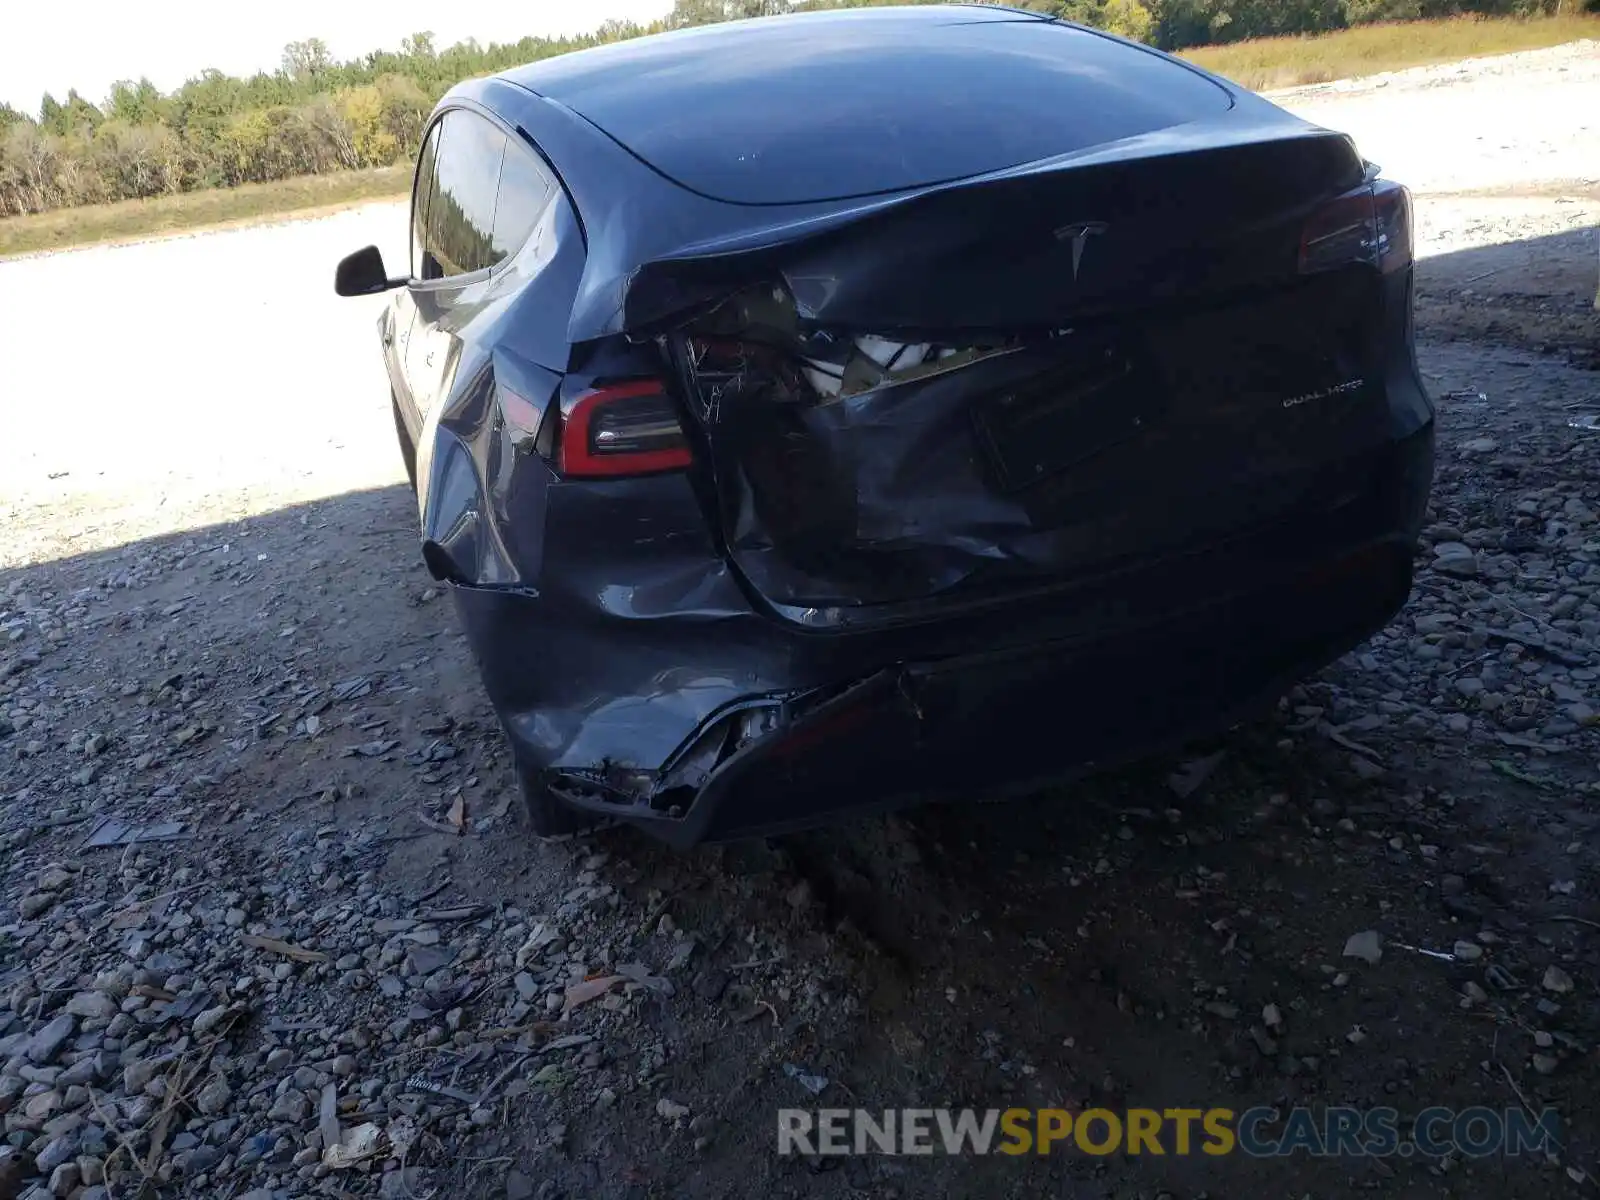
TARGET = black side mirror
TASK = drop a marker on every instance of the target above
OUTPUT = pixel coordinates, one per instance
(362, 274)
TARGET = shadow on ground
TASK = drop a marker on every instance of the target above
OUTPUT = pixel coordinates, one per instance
(1536, 294)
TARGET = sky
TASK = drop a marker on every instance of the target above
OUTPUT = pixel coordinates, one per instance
(92, 44)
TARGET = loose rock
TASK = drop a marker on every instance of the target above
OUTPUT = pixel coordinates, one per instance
(1367, 946)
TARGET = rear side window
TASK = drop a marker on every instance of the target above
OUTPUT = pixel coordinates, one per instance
(419, 205)
(526, 188)
(460, 218)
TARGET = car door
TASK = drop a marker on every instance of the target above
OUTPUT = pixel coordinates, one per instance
(455, 251)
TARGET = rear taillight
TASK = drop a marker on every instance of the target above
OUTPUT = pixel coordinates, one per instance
(1370, 225)
(626, 429)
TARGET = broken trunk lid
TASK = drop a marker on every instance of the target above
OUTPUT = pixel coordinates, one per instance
(913, 408)
(1159, 221)
(855, 470)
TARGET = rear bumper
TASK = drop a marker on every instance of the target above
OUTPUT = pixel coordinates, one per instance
(986, 724)
(620, 703)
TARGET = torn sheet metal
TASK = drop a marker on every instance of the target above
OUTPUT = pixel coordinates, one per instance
(856, 471)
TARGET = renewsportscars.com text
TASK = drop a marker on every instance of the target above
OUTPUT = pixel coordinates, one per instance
(1260, 1132)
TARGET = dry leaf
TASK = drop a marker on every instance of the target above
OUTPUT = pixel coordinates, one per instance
(288, 950)
(590, 989)
(458, 813)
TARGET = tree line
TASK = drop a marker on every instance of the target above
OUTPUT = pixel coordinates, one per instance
(314, 115)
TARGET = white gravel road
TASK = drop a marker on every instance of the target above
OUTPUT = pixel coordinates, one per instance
(184, 381)
(1511, 121)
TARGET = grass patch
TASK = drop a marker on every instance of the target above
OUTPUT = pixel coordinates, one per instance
(1266, 63)
(133, 219)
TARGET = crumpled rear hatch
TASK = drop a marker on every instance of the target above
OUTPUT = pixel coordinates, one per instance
(971, 396)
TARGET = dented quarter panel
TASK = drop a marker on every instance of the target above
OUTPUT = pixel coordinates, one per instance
(466, 460)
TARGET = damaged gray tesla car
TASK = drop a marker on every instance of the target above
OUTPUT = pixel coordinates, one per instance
(817, 413)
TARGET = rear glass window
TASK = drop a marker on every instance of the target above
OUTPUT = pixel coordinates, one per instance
(798, 110)
(461, 212)
(419, 202)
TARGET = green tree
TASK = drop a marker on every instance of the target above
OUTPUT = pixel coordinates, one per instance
(1129, 18)
(687, 13)
(134, 103)
(307, 60)
(314, 114)
(52, 117)
(418, 45)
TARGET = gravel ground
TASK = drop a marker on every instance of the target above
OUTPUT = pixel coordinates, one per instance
(337, 967)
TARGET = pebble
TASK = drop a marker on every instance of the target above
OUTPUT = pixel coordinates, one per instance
(64, 1180)
(86, 1070)
(56, 1152)
(36, 904)
(290, 1108)
(1367, 946)
(214, 1096)
(137, 1074)
(1455, 558)
(47, 1042)
(93, 1006)
(1556, 980)
(209, 1020)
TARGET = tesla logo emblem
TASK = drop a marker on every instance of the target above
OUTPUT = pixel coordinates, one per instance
(1079, 235)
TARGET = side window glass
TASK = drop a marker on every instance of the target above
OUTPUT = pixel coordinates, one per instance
(526, 189)
(426, 162)
(461, 214)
